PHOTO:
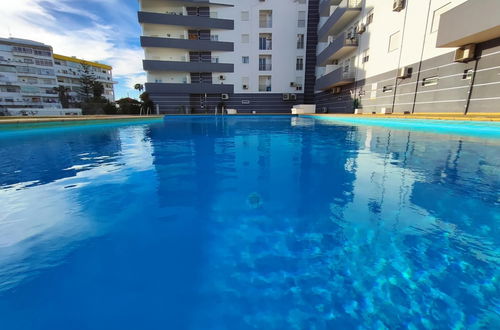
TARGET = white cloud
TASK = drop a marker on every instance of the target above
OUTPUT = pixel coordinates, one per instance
(88, 36)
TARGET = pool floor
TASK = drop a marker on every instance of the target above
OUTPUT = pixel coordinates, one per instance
(273, 222)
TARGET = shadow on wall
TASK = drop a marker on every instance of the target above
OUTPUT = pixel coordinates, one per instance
(344, 94)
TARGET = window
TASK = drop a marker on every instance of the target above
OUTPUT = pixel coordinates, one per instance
(245, 38)
(299, 63)
(245, 59)
(394, 41)
(369, 18)
(265, 84)
(468, 74)
(300, 41)
(265, 41)
(302, 19)
(431, 81)
(387, 89)
(437, 17)
(245, 16)
(265, 63)
(266, 18)
(365, 57)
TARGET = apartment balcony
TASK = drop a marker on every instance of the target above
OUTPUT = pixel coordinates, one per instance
(155, 65)
(201, 45)
(472, 22)
(324, 6)
(344, 14)
(340, 47)
(187, 88)
(191, 21)
(335, 78)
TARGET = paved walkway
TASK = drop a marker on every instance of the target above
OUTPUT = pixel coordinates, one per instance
(436, 116)
(20, 120)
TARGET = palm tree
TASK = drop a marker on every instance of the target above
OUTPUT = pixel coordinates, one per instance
(63, 95)
(139, 87)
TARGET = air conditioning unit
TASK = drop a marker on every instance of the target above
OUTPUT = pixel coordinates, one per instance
(293, 84)
(398, 5)
(293, 97)
(225, 96)
(465, 53)
(405, 72)
(222, 77)
(337, 90)
(286, 97)
(361, 28)
(245, 86)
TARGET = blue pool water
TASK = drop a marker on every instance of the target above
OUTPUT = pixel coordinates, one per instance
(248, 223)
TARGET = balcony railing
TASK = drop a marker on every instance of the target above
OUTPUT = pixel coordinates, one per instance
(266, 44)
(265, 67)
(265, 88)
(341, 17)
(266, 22)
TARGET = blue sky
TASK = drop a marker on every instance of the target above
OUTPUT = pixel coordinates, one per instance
(97, 30)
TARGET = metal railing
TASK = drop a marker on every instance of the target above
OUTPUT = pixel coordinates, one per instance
(265, 66)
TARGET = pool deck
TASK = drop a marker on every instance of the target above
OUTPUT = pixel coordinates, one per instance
(492, 117)
(31, 120)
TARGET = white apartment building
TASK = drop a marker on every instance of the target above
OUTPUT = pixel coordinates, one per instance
(27, 76)
(69, 70)
(249, 55)
(408, 56)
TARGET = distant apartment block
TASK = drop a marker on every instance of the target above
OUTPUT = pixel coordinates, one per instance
(30, 72)
(27, 76)
(69, 70)
(405, 56)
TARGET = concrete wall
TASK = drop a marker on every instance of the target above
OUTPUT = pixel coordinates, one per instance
(455, 91)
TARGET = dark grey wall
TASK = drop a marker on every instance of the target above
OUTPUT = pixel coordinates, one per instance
(167, 88)
(151, 65)
(453, 93)
(189, 21)
(204, 45)
(261, 103)
(312, 43)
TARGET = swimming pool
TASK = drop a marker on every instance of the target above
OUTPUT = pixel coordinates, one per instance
(248, 223)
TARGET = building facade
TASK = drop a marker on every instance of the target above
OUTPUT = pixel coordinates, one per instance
(30, 73)
(403, 56)
(69, 70)
(27, 76)
(413, 56)
(249, 55)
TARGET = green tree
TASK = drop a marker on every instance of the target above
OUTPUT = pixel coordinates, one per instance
(129, 106)
(139, 87)
(63, 95)
(147, 104)
(110, 108)
(87, 82)
(97, 90)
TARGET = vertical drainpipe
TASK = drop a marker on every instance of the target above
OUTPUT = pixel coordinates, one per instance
(421, 57)
(471, 87)
(400, 56)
